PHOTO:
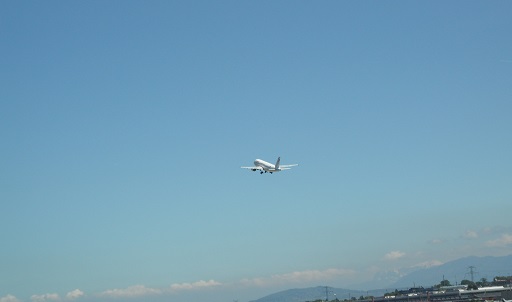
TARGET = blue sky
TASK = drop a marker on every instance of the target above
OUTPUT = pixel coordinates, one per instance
(124, 124)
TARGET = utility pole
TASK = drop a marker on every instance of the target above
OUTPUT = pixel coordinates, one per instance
(327, 293)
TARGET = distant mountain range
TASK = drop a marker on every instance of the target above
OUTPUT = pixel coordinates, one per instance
(453, 271)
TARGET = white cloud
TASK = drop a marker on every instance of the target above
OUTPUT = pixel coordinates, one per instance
(74, 294)
(141, 290)
(469, 234)
(9, 298)
(394, 255)
(428, 264)
(504, 240)
(195, 285)
(297, 277)
(132, 291)
(436, 241)
(45, 297)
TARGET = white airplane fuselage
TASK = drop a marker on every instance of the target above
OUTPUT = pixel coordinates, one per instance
(266, 166)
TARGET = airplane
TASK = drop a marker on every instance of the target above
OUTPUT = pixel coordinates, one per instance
(264, 167)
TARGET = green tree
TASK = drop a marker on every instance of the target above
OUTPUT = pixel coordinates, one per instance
(444, 283)
(482, 283)
(470, 284)
(395, 293)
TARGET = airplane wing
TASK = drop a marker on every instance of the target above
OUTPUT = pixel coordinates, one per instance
(288, 166)
(252, 168)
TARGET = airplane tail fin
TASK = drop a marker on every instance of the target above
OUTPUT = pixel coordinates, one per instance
(277, 162)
